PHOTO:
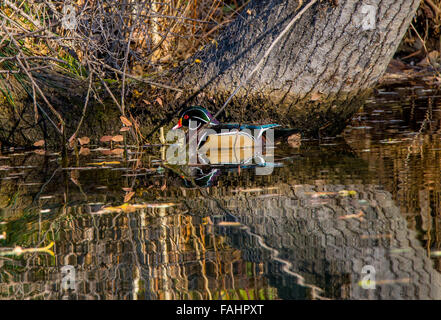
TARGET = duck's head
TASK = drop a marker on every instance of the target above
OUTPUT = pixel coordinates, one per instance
(197, 115)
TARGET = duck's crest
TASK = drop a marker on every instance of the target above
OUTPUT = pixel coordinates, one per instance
(210, 117)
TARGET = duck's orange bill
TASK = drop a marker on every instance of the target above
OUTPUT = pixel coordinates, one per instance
(179, 125)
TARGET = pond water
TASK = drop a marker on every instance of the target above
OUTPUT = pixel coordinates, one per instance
(334, 214)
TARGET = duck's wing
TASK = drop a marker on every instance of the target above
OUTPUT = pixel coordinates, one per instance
(256, 129)
(279, 133)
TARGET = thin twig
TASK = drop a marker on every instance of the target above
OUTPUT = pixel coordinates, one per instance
(74, 135)
(31, 78)
(153, 83)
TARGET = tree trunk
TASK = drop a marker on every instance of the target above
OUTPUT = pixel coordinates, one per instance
(315, 77)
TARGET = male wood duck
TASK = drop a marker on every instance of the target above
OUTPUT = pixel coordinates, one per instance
(228, 143)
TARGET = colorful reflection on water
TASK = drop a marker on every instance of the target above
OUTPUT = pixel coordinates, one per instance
(132, 227)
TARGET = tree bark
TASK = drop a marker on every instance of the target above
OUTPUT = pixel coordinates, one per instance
(315, 78)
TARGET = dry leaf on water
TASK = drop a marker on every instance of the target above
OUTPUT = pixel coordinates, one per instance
(109, 152)
(72, 142)
(74, 176)
(118, 151)
(118, 138)
(295, 140)
(126, 207)
(84, 140)
(125, 121)
(103, 163)
(106, 138)
(345, 193)
(129, 196)
(84, 151)
(106, 152)
(39, 143)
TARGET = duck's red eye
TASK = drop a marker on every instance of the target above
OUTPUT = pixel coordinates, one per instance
(186, 117)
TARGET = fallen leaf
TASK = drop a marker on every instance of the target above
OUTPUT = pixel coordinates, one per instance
(83, 140)
(106, 138)
(74, 176)
(125, 121)
(84, 151)
(103, 163)
(18, 251)
(123, 129)
(345, 193)
(136, 93)
(146, 102)
(106, 152)
(118, 138)
(126, 207)
(122, 208)
(39, 143)
(72, 142)
(294, 140)
(159, 101)
(129, 196)
(118, 151)
(127, 189)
